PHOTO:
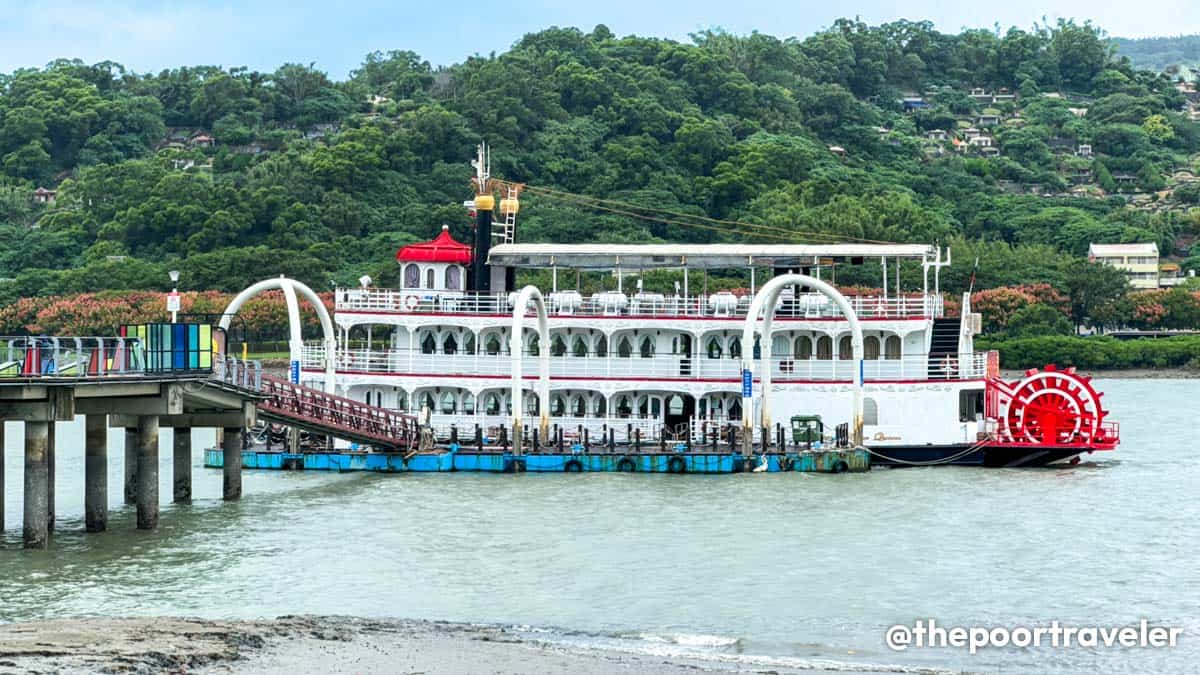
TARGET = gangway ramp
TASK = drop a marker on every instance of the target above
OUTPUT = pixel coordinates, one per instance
(319, 412)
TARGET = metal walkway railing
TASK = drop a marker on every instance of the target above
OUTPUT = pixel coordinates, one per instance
(316, 411)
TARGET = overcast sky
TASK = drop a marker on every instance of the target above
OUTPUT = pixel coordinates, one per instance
(148, 35)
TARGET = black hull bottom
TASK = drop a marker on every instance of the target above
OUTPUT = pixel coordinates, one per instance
(932, 455)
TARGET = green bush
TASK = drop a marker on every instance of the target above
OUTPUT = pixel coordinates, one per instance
(1099, 353)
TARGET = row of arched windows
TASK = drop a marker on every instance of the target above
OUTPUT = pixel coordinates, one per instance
(452, 277)
(802, 348)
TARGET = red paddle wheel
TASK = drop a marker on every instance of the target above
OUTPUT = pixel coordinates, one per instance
(1051, 408)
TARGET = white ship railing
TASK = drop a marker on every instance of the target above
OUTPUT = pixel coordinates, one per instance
(404, 361)
(613, 303)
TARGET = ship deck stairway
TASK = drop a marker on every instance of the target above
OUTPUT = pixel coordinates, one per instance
(943, 346)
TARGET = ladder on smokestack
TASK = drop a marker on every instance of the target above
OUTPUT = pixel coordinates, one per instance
(508, 228)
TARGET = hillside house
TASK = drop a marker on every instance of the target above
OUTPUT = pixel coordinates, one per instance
(980, 141)
(1139, 262)
(1084, 150)
(838, 150)
(44, 196)
(913, 102)
(981, 95)
(988, 120)
(203, 141)
(971, 132)
(1003, 96)
(936, 134)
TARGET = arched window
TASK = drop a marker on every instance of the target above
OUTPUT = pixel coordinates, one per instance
(891, 348)
(468, 404)
(454, 278)
(824, 348)
(624, 349)
(579, 407)
(535, 345)
(558, 346)
(427, 401)
(714, 348)
(735, 348)
(412, 276)
(623, 407)
(647, 347)
(780, 347)
(870, 412)
(675, 405)
(602, 346)
(871, 347)
(845, 352)
(558, 407)
(429, 278)
(401, 400)
(448, 403)
(492, 404)
(428, 344)
(803, 347)
(579, 347)
(532, 403)
(492, 346)
(469, 345)
(601, 407)
(735, 410)
(450, 344)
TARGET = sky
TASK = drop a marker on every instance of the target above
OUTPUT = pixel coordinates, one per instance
(149, 35)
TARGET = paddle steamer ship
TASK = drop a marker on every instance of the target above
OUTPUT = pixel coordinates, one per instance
(667, 362)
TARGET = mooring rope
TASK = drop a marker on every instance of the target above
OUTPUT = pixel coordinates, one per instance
(932, 462)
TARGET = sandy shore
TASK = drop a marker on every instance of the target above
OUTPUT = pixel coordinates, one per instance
(294, 645)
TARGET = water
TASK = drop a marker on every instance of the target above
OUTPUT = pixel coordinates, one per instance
(799, 570)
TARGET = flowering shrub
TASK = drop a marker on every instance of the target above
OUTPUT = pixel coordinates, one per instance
(101, 313)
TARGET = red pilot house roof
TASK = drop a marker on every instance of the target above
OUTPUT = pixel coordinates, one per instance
(443, 249)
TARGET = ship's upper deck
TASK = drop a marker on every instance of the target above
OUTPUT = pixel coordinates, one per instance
(613, 304)
(695, 256)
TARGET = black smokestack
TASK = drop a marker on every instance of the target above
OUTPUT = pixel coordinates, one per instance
(481, 273)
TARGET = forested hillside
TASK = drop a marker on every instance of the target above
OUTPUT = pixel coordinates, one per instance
(1018, 149)
(1160, 53)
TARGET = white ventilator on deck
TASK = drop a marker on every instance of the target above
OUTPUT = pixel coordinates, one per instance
(516, 349)
(764, 303)
(295, 343)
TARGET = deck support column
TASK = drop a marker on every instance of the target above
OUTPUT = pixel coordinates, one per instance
(231, 447)
(181, 465)
(35, 530)
(50, 433)
(131, 465)
(147, 472)
(95, 490)
(1, 475)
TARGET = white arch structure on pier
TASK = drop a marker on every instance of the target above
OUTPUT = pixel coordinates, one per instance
(516, 348)
(296, 342)
(764, 303)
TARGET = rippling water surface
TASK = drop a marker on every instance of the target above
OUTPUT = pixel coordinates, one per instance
(801, 570)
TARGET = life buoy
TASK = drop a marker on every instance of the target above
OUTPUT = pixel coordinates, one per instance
(573, 466)
(676, 465)
(840, 466)
(626, 465)
(411, 302)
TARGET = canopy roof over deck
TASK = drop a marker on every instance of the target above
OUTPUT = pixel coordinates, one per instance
(696, 256)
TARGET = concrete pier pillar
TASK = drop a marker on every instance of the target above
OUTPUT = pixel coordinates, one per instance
(1, 475)
(231, 445)
(95, 469)
(147, 472)
(181, 465)
(36, 531)
(50, 443)
(131, 465)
